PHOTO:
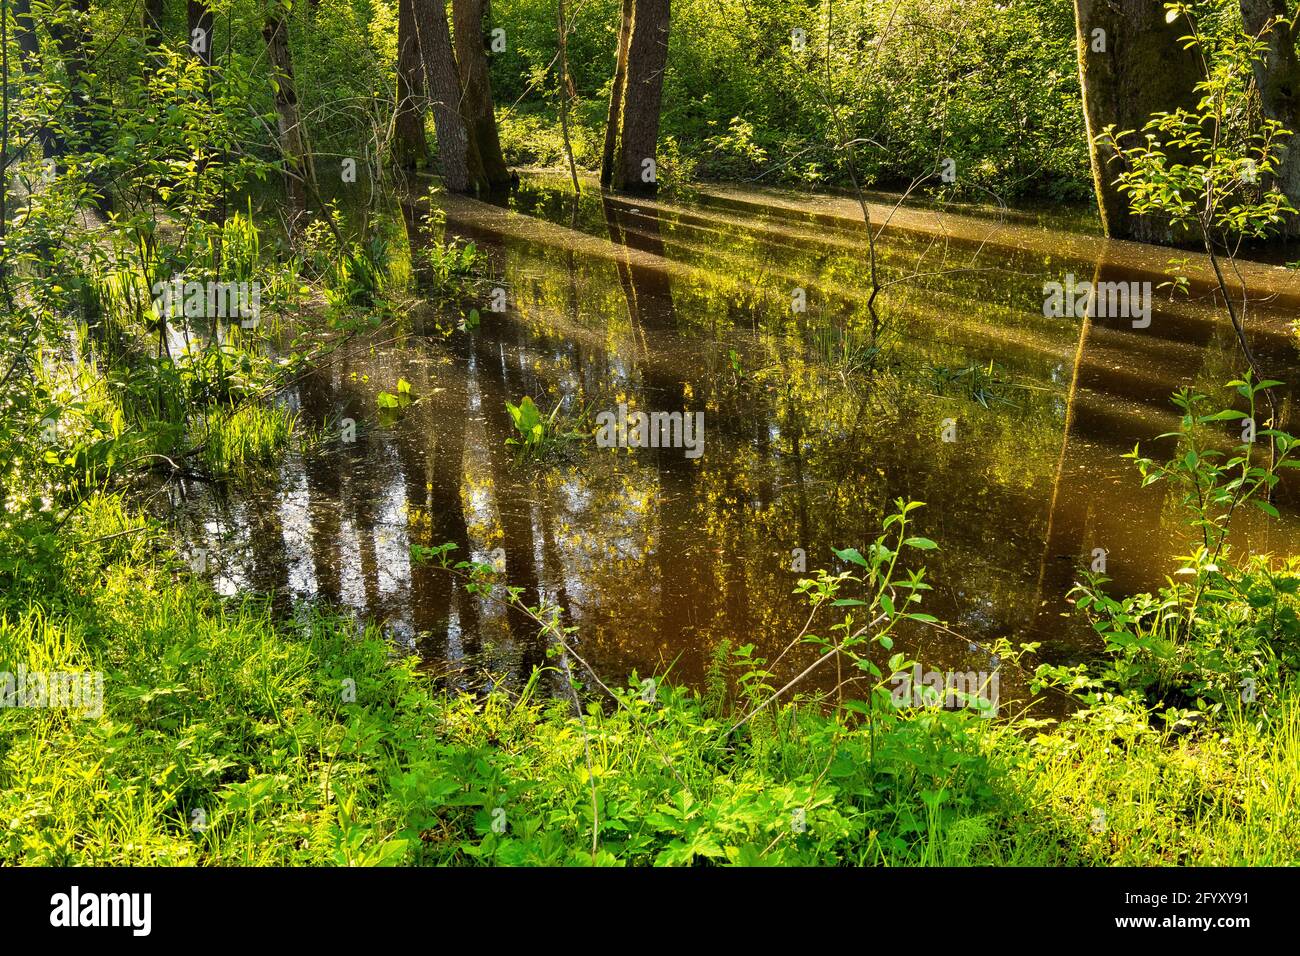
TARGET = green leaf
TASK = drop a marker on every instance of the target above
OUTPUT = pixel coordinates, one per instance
(924, 544)
(853, 556)
(1267, 508)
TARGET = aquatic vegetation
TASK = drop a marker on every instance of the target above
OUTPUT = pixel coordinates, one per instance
(451, 264)
(237, 440)
(228, 736)
(536, 436)
(393, 404)
(353, 271)
(1221, 632)
(984, 384)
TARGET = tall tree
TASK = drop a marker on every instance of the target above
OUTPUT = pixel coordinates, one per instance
(478, 108)
(300, 173)
(1131, 65)
(635, 163)
(462, 170)
(1277, 75)
(610, 155)
(410, 148)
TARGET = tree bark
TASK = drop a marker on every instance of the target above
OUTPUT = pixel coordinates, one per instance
(300, 173)
(647, 55)
(29, 43)
(152, 19)
(1278, 79)
(29, 46)
(476, 81)
(456, 152)
(72, 42)
(615, 119)
(201, 34)
(410, 148)
(1142, 70)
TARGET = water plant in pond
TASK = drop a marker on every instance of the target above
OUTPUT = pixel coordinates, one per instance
(536, 436)
(451, 265)
(240, 439)
(985, 384)
(848, 352)
(352, 269)
(392, 404)
(1220, 633)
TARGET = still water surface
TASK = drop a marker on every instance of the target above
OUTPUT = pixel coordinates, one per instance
(813, 427)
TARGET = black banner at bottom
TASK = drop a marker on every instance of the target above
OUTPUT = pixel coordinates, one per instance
(140, 906)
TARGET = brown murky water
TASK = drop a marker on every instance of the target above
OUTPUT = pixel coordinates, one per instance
(812, 429)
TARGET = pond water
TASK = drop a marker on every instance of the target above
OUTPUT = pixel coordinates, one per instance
(1009, 425)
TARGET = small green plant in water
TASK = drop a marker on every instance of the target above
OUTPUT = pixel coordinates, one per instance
(536, 436)
(391, 405)
(242, 439)
(1188, 650)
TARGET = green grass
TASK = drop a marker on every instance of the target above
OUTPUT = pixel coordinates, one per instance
(246, 437)
(1133, 797)
(215, 706)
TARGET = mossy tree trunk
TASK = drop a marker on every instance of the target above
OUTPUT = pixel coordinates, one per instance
(610, 154)
(636, 166)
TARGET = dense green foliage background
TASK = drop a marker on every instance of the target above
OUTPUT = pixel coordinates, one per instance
(994, 86)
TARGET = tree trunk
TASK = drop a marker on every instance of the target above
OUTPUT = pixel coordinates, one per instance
(201, 35)
(29, 46)
(615, 119)
(461, 170)
(479, 110)
(72, 42)
(410, 148)
(647, 55)
(29, 43)
(300, 173)
(1142, 70)
(1278, 78)
(152, 20)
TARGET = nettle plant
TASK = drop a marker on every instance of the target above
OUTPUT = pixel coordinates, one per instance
(1189, 648)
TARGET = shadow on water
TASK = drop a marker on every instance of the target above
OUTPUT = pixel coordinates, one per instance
(1007, 423)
